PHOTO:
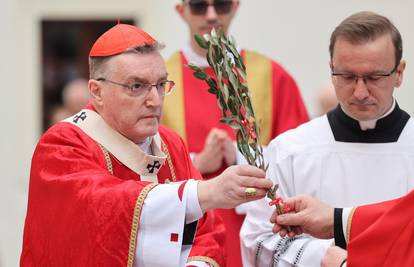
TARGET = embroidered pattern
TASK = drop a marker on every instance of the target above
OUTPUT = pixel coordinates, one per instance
(107, 159)
(135, 222)
(165, 150)
(259, 250)
(300, 252)
(348, 226)
(81, 116)
(151, 168)
(205, 259)
(281, 248)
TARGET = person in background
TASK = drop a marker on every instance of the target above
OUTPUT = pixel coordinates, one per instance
(194, 114)
(75, 96)
(327, 98)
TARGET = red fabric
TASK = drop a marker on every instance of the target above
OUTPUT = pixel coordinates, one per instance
(80, 215)
(174, 237)
(202, 114)
(118, 39)
(181, 191)
(383, 234)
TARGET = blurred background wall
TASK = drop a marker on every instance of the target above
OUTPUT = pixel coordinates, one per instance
(295, 33)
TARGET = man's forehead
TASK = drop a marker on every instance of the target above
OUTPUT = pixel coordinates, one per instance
(138, 67)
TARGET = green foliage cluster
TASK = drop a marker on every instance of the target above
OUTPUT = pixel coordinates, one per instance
(230, 87)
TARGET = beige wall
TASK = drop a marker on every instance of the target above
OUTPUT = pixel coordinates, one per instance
(296, 33)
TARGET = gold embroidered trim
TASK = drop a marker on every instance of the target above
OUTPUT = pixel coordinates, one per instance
(135, 222)
(203, 258)
(348, 225)
(107, 159)
(164, 147)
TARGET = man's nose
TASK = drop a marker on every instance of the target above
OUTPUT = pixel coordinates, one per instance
(153, 97)
(361, 90)
(211, 14)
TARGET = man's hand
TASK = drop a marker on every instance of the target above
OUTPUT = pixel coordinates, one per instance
(308, 215)
(228, 189)
(334, 257)
(211, 157)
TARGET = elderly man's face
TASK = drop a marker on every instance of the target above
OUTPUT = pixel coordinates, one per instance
(218, 14)
(368, 98)
(136, 115)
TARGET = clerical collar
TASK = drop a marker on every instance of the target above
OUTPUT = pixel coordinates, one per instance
(370, 124)
(146, 145)
(193, 57)
(387, 129)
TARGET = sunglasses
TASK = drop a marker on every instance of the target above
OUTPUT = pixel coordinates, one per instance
(198, 7)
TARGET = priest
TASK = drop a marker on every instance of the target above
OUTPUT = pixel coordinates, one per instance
(109, 186)
(360, 152)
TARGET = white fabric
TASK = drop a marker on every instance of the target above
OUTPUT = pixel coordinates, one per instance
(163, 213)
(194, 211)
(198, 264)
(121, 147)
(345, 216)
(194, 58)
(308, 160)
(146, 145)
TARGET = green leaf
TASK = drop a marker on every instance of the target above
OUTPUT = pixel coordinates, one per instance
(201, 41)
(200, 75)
(213, 91)
(212, 83)
(194, 67)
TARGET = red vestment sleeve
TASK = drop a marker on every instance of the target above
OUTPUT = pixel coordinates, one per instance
(383, 234)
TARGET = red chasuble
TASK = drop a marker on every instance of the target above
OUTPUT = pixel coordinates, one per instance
(383, 234)
(84, 205)
(192, 112)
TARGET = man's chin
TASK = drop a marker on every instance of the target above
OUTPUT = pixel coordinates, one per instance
(364, 115)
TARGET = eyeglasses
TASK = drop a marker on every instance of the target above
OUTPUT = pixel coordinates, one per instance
(138, 89)
(371, 80)
(199, 7)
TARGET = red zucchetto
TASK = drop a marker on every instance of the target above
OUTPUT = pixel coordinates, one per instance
(118, 39)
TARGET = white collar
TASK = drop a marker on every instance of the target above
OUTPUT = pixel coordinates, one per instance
(196, 59)
(193, 57)
(146, 145)
(371, 124)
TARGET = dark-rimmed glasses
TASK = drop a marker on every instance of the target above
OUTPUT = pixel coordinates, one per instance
(199, 7)
(163, 88)
(373, 80)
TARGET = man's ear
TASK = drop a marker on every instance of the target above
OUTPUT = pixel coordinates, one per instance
(400, 72)
(95, 90)
(180, 10)
(236, 5)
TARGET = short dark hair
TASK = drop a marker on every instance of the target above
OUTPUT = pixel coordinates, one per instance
(367, 26)
(97, 64)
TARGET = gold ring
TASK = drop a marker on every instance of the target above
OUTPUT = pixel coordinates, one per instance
(250, 191)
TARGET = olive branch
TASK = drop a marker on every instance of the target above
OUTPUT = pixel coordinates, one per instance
(234, 99)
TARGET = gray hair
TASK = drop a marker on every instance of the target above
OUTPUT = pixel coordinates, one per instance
(97, 65)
